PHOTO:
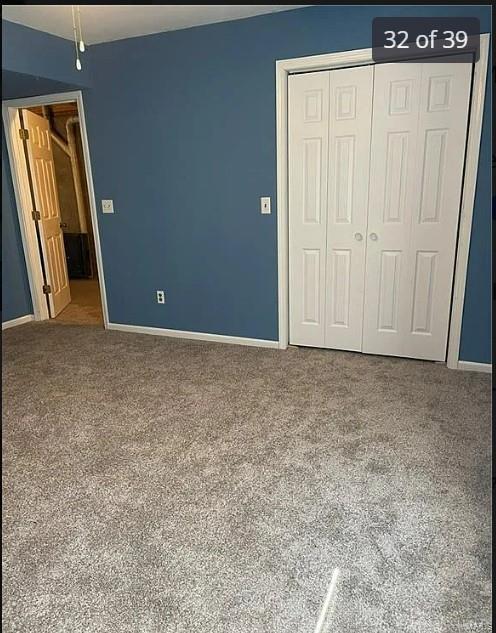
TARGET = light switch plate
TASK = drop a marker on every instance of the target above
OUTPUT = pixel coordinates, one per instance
(265, 205)
(107, 206)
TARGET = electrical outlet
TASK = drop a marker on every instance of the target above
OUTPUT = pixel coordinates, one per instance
(160, 296)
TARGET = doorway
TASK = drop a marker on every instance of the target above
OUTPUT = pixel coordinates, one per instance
(50, 166)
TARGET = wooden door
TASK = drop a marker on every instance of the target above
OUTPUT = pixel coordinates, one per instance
(47, 205)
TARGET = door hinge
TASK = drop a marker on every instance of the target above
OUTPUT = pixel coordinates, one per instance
(24, 134)
(46, 289)
(36, 215)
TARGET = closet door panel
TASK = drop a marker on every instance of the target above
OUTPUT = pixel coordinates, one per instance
(391, 203)
(350, 113)
(418, 145)
(308, 129)
(444, 105)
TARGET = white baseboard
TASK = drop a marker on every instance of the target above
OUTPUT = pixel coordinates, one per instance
(469, 366)
(195, 336)
(19, 321)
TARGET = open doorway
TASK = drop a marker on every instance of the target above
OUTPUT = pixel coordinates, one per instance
(84, 306)
(49, 159)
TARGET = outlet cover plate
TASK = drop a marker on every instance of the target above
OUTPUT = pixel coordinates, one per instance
(160, 296)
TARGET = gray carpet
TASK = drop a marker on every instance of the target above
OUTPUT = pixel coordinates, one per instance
(156, 485)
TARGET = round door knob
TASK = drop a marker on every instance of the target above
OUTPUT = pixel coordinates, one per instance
(373, 237)
(358, 237)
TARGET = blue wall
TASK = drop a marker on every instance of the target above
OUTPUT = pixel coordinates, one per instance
(33, 52)
(182, 134)
(16, 298)
(16, 85)
(476, 325)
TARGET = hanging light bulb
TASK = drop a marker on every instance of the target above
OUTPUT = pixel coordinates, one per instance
(81, 42)
(78, 61)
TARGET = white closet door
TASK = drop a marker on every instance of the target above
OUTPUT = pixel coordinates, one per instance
(308, 149)
(418, 148)
(349, 159)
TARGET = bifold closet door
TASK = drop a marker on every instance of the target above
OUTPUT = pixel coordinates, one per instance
(348, 172)
(329, 146)
(308, 142)
(419, 132)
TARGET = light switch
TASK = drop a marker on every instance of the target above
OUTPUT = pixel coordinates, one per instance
(265, 205)
(107, 206)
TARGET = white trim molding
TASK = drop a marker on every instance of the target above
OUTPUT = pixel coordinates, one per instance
(10, 113)
(360, 57)
(194, 336)
(467, 365)
(18, 321)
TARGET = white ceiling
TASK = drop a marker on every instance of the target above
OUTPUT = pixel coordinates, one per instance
(105, 23)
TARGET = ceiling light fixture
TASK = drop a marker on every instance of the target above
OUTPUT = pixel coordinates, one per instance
(78, 40)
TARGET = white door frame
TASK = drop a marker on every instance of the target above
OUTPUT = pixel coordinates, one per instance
(360, 57)
(18, 170)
